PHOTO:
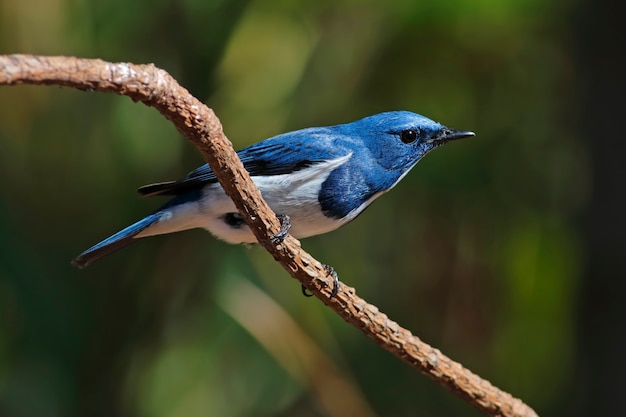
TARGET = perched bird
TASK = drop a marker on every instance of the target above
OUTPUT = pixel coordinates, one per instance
(316, 179)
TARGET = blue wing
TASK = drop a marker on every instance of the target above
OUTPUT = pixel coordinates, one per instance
(282, 154)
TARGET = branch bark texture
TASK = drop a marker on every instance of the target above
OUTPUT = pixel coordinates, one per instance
(199, 124)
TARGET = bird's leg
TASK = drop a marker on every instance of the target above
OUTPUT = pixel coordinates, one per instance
(285, 225)
(330, 270)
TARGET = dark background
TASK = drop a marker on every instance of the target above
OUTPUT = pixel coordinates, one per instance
(504, 251)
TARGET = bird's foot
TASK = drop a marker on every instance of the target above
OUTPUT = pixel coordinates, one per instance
(331, 271)
(285, 225)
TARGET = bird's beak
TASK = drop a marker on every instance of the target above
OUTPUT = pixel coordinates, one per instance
(446, 135)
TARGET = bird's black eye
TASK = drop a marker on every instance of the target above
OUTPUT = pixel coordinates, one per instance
(408, 135)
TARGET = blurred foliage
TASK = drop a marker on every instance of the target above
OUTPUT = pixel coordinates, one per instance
(477, 251)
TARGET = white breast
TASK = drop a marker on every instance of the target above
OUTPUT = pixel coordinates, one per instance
(293, 194)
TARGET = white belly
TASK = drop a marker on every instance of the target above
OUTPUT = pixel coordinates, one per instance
(295, 195)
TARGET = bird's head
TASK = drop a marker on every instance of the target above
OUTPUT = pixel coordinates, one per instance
(399, 139)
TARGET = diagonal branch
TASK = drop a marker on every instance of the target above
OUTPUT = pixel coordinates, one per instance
(156, 88)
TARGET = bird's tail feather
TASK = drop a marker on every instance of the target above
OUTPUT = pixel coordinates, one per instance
(115, 242)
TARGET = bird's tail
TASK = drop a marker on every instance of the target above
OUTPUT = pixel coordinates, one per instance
(115, 242)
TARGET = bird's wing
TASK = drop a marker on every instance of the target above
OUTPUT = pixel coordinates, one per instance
(267, 158)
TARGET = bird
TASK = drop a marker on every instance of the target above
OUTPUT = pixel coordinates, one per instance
(315, 179)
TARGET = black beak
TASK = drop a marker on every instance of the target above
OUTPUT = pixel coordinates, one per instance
(446, 135)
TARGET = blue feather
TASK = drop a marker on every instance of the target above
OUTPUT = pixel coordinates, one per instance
(115, 242)
(322, 178)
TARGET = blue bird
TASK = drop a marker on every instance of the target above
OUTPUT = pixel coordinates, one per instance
(317, 179)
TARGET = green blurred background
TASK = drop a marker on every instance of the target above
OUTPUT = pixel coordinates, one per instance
(504, 251)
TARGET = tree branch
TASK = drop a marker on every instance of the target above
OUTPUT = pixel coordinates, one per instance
(156, 88)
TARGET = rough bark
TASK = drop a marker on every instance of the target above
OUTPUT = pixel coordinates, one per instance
(156, 88)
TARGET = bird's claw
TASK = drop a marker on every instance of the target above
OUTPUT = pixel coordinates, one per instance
(331, 271)
(285, 225)
(306, 292)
